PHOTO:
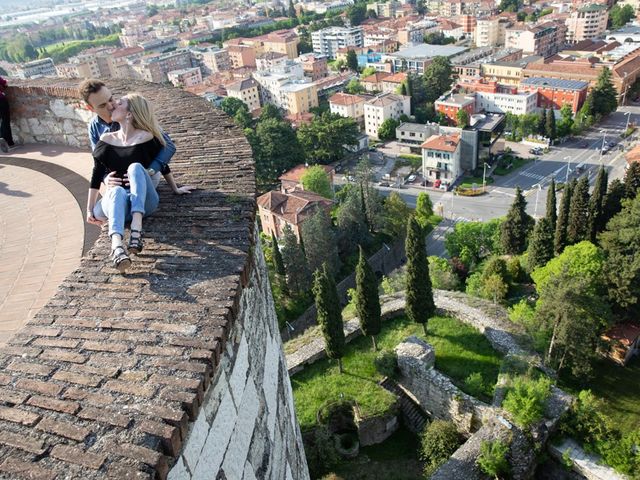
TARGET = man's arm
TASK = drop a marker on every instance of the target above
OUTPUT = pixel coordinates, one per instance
(94, 132)
(164, 156)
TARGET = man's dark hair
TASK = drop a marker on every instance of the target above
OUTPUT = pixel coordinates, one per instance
(89, 86)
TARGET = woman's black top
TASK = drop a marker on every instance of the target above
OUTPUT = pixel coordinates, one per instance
(108, 158)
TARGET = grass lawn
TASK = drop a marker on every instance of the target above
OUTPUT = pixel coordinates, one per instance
(467, 182)
(394, 459)
(619, 388)
(516, 163)
(460, 351)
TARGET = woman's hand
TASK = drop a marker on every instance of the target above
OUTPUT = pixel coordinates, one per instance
(112, 180)
(183, 190)
(93, 220)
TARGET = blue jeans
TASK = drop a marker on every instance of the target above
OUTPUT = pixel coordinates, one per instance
(119, 202)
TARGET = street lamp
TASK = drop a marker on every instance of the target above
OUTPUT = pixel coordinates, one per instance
(535, 212)
(604, 138)
(484, 175)
(628, 114)
(568, 159)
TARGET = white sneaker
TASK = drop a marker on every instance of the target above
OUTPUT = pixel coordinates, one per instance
(4, 146)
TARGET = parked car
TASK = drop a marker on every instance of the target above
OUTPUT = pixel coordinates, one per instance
(384, 184)
(411, 178)
(536, 151)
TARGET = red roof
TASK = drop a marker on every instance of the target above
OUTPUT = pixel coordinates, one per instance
(295, 174)
(444, 143)
(626, 333)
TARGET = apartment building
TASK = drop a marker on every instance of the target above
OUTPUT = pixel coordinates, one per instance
(350, 106)
(155, 68)
(287, 88)
(216, 60)
(554, 93)
(451, 103)
(383, 107)
(491, 31)
(328, 41)
(120, 62)
(509, 72)
(242, 56)
(314, 66)
(281, 41)
(36, 69)
(186, 77)
(246, 90)
(545, 39)
(384, 9)
(373, 83)
(79, 69)
(413, 133)
(392, 83)
(416, 57)
(516, 103)
(587, 22)
(414, 32)
(299, 97)
(271, 61)
(441, 159)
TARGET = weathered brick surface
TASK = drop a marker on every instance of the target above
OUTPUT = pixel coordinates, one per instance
(106, 377)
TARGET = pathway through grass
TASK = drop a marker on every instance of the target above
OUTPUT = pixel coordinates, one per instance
(460, 351)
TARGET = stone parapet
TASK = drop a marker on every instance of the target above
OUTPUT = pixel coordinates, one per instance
(176, 367)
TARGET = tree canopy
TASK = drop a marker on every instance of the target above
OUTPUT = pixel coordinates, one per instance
(604, 94)
(438, 77)
(367, 299)
(419, 294)
(317, 180)
(324, 138)
(516, 227)
(387, 131)
(329, 314)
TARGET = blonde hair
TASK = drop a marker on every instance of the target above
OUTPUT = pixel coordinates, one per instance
(142, 115)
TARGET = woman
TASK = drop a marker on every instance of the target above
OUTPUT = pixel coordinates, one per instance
(127, 153)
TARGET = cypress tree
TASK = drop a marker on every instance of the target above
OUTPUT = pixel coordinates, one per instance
(419, 295)
(363, 206)
(329, 315)
(541, 245)
(596, 205)
(516, 227)
(550, 125)
(560, 239)
(541, 123)
(577, 228)
(613, 200)
(295, 263)
(281, 273)
(367, 299)
(552, 213)
(632, 180)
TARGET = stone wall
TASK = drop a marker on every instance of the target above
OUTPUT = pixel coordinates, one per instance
(435, 392)
(177, 365)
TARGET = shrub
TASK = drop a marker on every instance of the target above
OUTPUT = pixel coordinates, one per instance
(320, 452)
(474, 284)
(474, 384)
(526, 400)
(442, 274)
(515, 271)
(493, 458)
(439, 440)
(386, 363)
(396, 282)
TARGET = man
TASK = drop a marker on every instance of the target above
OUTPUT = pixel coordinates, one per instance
(6, 139)
(99, 100)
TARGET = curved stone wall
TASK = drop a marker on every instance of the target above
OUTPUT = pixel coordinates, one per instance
(176, 368)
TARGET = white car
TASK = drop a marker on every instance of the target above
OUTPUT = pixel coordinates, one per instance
(411, 178)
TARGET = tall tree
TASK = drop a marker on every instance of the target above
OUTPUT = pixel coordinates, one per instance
(462, 118)
(541, 245)
(622, 265)
(552, 209)
(550, 125)
(577, 228)
(269, 110)
(437, 78)
(352, 224)
(424, 209)
(560, 239)
(541, 122)
(352, 60)
(516, 227)
(387, 130)
(565, 125)
(320, 242)
(317, 180)
(295, 263)
(604, 94)
(419, 295)
(596, 205)
(632, 180)
(231, 105)
(367, 299)
(585, 116)
(396, 214)
(281, 273)
(291, 10)
(324, 138)
(329, 315)
(613, 200)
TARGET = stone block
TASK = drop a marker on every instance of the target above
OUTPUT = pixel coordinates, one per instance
(415, 354)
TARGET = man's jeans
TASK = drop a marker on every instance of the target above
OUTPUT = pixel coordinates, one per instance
(119, 203)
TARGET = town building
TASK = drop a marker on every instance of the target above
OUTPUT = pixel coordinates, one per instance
(508, 72)
(554, 93)
(373, 83)
(242, 56)
(298, 97)
(281, 41)
(451, 103)
(383, 107)
(79, 69)
(384, 9)
(414, 32)
(416, 57)
(186, 77)
(393, 82)
(216, 60)
(351, 106)
(413, 134)
(314, 66)
(120, 62)
(279, 209)
(247, 91)
(587, 22)
(271, 61)
(441, 159)
(491, 31)
(545, 39)
(291, 180)
(516, 103)
(154, 68)
(468, 65)
(328, 41)
(36, 69)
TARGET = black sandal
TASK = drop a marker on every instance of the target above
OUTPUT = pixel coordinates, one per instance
(135, 243)
(121, 260)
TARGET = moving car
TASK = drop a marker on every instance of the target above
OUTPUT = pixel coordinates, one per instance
(536, 151)
(411, 178)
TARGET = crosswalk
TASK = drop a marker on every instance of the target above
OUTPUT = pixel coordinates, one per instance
(535, 176)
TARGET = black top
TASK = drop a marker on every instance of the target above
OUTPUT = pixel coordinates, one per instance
(108, 158)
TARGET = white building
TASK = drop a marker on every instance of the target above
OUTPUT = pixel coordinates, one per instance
(247, 91)
(328, 41)
(383, 107)
(490, 32)
(587, 23)
(441, 159)
(518, 103)
(36, 69)
(186, 77)
(346, 105)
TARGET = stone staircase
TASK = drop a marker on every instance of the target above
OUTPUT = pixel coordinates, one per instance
(414, 417)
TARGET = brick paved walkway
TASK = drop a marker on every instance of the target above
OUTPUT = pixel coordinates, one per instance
(42, 231)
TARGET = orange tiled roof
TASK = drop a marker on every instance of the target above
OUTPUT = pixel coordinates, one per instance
(375, 78)
(295, 174)
(345, 99)
(294, 207)
(396, 77)
(444, 143)
(625, 333)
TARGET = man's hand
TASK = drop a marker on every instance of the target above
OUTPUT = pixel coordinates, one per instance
(93, 220)
(184, 190)
(112, 180)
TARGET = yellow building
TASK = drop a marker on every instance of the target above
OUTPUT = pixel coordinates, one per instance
(508, 73)
(299, 97)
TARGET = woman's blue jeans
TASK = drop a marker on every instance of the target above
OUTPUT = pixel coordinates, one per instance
(120, 202)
